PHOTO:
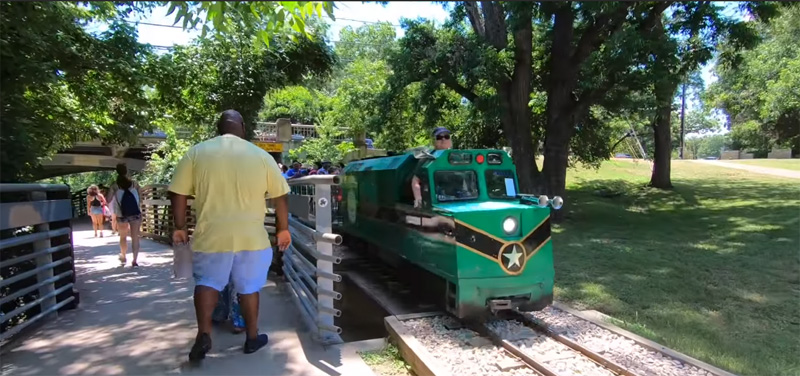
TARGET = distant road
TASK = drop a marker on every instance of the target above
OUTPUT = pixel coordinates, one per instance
(757, 169)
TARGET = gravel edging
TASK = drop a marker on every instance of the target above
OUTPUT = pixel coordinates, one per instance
(626, 352)
(462, 351)
(553, 354)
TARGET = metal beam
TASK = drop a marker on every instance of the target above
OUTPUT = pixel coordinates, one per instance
(99, 162)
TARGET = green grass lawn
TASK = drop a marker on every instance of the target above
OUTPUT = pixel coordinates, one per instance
(789, 164)
(387, 362)
(710, 268)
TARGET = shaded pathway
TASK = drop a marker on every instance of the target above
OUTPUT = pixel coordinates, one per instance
(140, 321)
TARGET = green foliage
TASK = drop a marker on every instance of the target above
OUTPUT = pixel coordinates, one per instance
(196, 82)
(698, 120)
(759, 92)
(267, 18)
(704, 146)
(354, 103)
(325, 147)
(61, 84)
(711, 146)
(370, 42)
(165, 157)
(79, 182)
(297, 103)
(751, 137)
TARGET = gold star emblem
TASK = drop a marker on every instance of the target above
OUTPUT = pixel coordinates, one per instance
(513, 257)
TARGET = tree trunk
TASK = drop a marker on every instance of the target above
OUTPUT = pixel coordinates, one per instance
(558, 130)
(515, 95)
(662, 135)
(517, 127)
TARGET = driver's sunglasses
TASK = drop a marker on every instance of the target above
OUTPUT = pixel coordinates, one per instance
(445, 137)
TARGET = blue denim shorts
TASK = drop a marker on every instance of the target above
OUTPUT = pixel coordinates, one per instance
(247, 270)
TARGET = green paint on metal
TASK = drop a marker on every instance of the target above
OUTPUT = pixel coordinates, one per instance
(459, 232)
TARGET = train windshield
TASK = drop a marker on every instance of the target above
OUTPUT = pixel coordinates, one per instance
(455, 185)
(500, 184)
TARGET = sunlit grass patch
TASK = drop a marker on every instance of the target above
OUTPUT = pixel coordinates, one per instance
(787, 164)
(387, 362)
(709, 268)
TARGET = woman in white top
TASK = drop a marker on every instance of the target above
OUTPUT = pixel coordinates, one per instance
(128, 213)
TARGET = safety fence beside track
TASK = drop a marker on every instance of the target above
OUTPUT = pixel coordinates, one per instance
(37, 263)
(307, 264)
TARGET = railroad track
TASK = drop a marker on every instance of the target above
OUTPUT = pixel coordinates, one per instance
(568, 352)
(538, 343)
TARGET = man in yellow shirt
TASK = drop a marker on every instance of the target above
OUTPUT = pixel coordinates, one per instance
(230, 179)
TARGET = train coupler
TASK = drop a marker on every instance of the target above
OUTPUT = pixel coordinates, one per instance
(497, 305)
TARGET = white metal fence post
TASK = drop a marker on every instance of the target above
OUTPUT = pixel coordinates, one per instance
(45, 259)
(323, 221)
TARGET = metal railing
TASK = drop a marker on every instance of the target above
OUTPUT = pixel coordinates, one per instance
(157, 223)
(157, 219)
(265, 130)
(37, 267)
(307, 264)
(79, 204)
(311, 254)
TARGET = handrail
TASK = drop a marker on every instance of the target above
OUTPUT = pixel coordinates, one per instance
(38, 267)
(315, 180)
(308, 269)
(7, 188)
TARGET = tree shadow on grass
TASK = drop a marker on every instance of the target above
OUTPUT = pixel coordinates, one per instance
(709, 268)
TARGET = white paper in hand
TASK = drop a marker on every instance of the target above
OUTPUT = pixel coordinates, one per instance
(182, 260)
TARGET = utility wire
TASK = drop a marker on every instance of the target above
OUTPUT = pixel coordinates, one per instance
(340, 18)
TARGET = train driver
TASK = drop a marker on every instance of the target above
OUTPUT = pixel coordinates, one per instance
(441, 141)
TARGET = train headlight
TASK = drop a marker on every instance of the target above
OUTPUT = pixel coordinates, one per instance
(510, 225)
(557, 202)
(543, 201)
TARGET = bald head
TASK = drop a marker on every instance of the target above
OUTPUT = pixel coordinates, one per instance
(231, 122)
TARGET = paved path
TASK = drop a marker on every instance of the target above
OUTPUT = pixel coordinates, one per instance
(141, 322)
(757, 169)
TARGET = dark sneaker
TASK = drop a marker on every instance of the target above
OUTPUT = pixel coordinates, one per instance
(253, 345)
(201, 346)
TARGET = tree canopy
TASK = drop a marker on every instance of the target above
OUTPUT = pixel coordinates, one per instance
(194, 83)
(758, 90)
(61, 84)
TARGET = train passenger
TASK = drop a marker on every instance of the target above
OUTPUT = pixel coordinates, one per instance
(326, 168)
(314, 169)
(295, 170)
(441, 141)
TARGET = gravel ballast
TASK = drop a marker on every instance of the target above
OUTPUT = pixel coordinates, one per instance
(555, 355)
(616, 348)
(461, 351)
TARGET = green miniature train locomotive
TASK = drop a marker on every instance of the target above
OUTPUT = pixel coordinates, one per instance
(489, 244)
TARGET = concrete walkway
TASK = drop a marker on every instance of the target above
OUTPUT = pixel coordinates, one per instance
(757, 169)
(141, 322)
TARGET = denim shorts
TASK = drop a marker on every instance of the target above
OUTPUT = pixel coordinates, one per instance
(247, 270)
(129, 219)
